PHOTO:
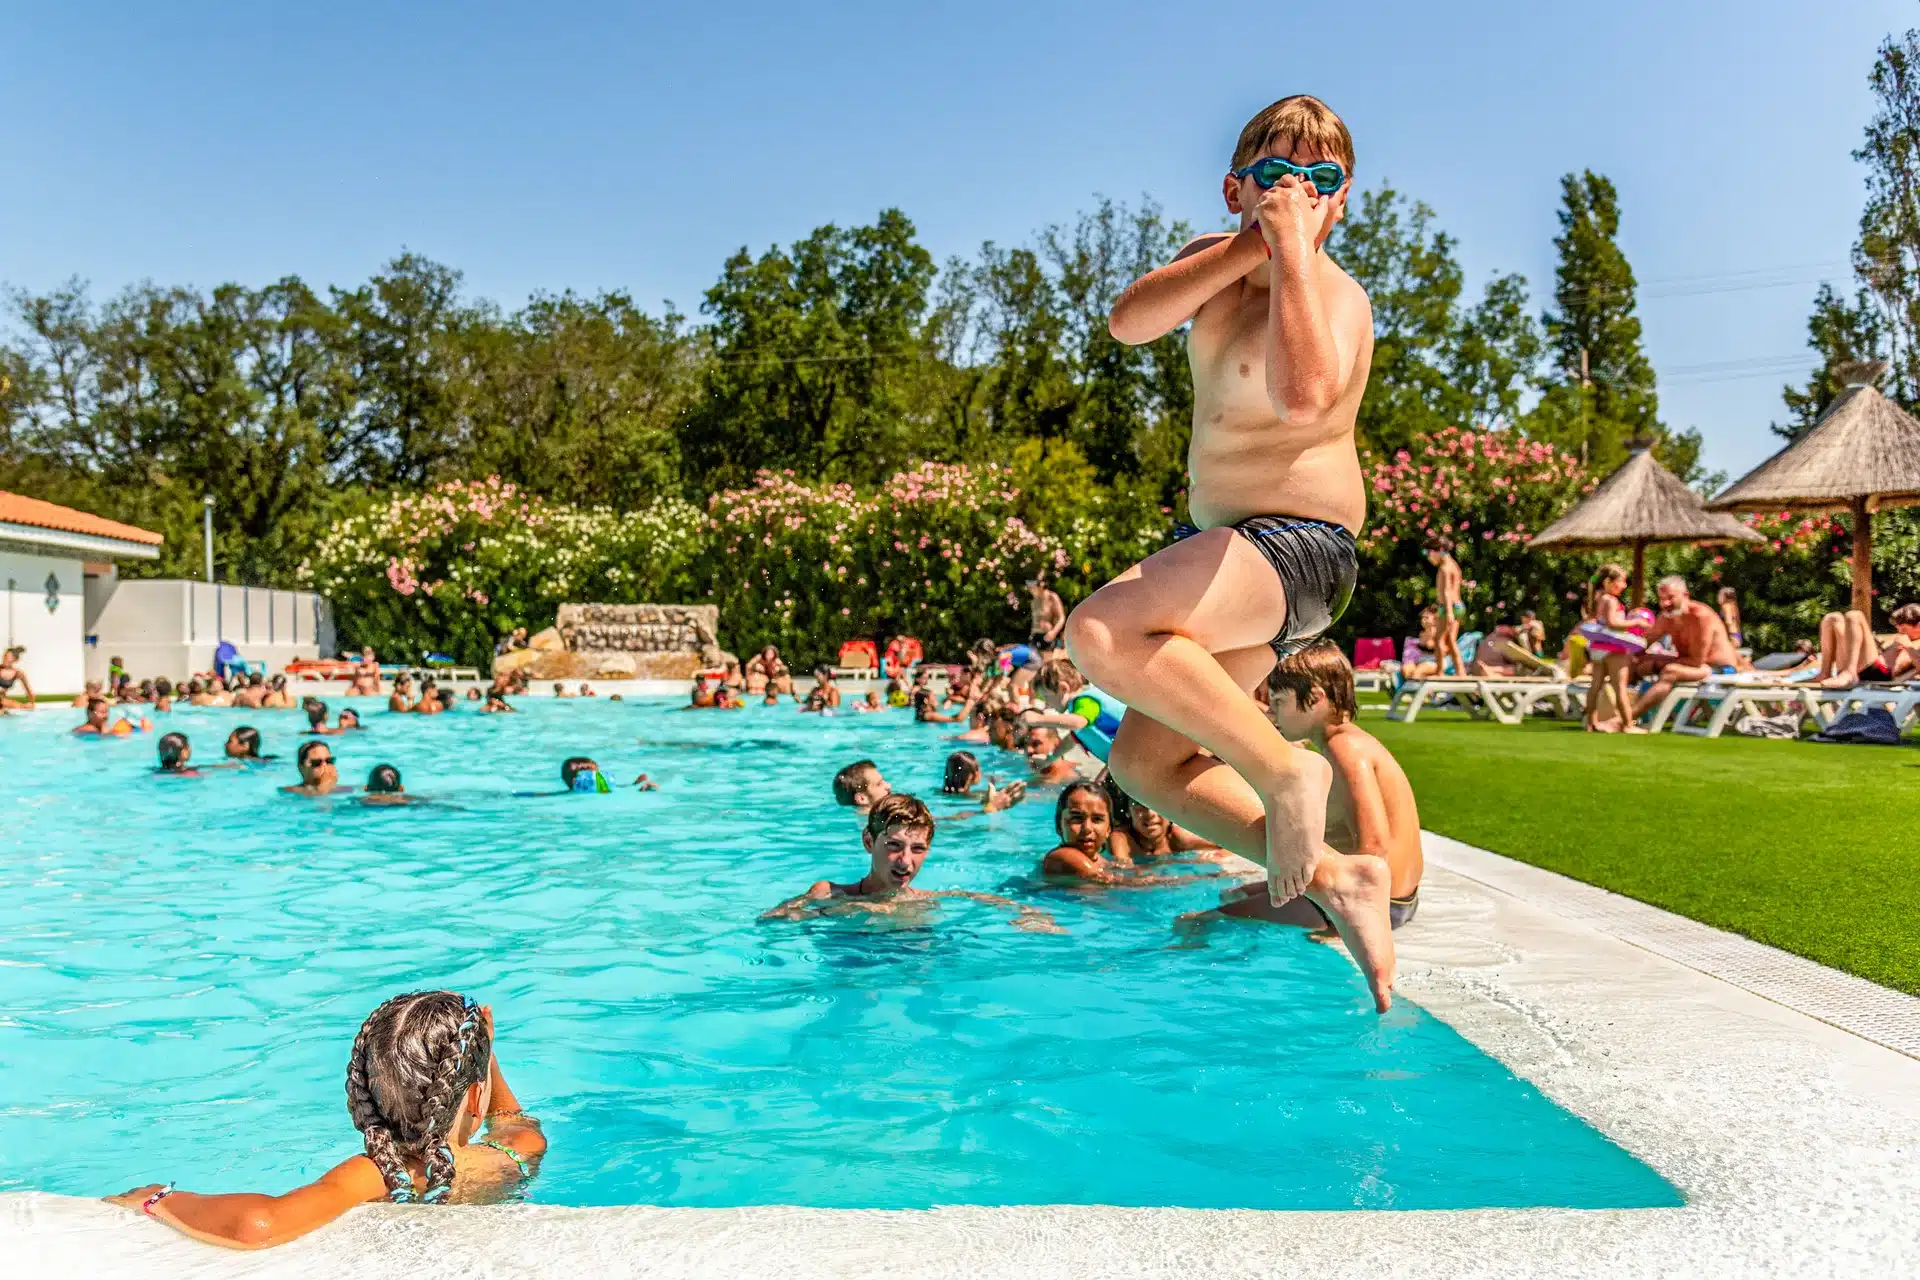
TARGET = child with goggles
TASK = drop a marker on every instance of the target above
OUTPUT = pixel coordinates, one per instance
(1280, 341)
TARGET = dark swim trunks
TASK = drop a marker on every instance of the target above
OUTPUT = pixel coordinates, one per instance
(1317, 564)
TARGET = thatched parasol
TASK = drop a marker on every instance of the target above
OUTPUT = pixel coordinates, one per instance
(1640, 504)
(1863, 455)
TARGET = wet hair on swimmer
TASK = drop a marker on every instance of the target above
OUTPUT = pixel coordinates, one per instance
(172, 747)
(383, 780)
(1321, 668)
(316, 711)
(851, 782)
(963, 770)
(307, 749)
(1119, 803)
(1080, 788)
(412, 1063)
(574, 766)
(899, 810)
(249, 739)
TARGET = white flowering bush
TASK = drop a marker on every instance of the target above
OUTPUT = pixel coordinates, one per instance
(450, 569)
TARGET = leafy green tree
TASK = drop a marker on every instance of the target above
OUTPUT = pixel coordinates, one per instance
(815, 355)
(1606, 394)
(1839, 331)
(1887, 254)
(1495, 354)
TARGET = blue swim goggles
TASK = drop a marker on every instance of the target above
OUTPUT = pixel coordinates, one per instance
(1325, 176)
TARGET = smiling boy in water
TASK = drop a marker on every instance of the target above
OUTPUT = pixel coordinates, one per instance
(1280, 343)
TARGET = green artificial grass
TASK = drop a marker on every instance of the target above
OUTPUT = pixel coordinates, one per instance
(1808, 847)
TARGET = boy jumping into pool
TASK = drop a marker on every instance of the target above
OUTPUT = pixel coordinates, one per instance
(1280, 344)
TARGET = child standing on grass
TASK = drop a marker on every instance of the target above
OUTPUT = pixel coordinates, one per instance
(422, 1084)
(1280, 343)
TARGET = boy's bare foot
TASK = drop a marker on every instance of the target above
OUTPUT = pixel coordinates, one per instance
(1603, 726)
(1296, 817)
(1352, 889)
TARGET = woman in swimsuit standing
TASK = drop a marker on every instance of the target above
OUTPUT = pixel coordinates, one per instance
(10, 675)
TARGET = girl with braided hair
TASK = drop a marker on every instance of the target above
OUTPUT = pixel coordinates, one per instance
(422, 1084)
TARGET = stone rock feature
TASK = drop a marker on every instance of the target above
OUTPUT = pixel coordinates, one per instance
(623, 641)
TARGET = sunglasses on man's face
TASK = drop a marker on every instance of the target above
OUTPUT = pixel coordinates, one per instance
(318, 762)
(1325, 176)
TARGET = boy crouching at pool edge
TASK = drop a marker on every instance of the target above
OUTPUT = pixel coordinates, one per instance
(1371, 812)
(1280, 342)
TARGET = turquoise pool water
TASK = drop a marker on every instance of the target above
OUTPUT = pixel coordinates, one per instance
(184, 961)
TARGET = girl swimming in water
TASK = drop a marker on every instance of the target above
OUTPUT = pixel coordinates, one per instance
(422, 1082)
(1141, 833)
(1083, 820)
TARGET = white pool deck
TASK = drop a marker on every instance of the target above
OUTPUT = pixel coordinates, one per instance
(1767, 1088)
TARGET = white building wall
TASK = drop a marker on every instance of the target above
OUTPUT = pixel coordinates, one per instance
(54, 638)
(171, 627)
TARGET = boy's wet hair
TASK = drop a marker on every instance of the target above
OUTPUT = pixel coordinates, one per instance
(1303, 120)
(1907, 615)
(1059, 675)
(899, 810)
(412, 1063)
(963, 770)
(1080, 788)
(1322, 667)
(171, 746)
(384, 780)
(852, 780)
(249, 737)
(572, 766)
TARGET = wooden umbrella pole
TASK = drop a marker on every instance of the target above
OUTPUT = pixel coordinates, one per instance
(1863, 559)
(1640, 574)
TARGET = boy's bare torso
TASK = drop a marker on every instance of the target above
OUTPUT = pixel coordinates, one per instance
(1353, 750)
(1244, 460)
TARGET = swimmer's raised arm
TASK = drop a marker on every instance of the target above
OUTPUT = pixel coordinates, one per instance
(1030, 918)
(1165, 298)
(1317, 319)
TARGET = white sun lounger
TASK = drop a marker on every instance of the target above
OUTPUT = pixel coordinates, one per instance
(1729, 701)
(1506, 699)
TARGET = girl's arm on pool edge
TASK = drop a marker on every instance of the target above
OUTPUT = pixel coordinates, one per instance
(246, 1220)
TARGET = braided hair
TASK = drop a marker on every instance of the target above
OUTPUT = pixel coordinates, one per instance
(413, 1060)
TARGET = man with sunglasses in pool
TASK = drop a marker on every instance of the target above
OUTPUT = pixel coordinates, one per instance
(1280, 342)
(318, 777)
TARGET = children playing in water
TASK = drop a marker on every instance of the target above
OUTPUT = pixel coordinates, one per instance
(1280, 343)
(1140, 834)
(962, 775)
(897, 838)
(1083, 821)
(439, 1123)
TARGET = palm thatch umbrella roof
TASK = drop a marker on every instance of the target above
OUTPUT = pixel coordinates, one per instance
(1863, 455)
(1640, 504)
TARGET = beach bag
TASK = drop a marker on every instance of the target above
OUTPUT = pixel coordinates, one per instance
(1785, 725)
(1874, 727)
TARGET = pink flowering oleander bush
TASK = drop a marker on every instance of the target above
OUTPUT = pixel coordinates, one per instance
(1489, 491)
(451, 569)
(939, 552)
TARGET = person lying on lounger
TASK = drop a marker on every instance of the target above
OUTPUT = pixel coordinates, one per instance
(1849, 654)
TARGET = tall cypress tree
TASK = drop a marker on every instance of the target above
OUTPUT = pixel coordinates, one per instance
(1605, 394)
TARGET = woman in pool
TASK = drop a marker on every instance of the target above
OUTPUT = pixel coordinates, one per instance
(244, 744)
(422, 1083)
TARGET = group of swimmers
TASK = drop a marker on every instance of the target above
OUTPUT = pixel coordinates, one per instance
(1280, 340)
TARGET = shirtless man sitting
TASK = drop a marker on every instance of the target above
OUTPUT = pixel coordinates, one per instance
(897, 838)
(1371, 813)
(1701, 648)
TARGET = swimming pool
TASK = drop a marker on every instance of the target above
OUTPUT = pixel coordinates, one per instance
(184, 961)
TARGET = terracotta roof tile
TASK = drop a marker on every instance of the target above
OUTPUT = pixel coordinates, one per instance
(17, 508)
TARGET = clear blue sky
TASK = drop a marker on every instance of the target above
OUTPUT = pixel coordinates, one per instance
(592, 146)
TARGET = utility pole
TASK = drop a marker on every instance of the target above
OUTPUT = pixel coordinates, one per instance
(207, 527)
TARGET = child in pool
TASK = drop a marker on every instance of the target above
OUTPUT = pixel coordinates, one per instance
(384, 788)
(1045, 749)
(1280, 339)
(1083, 820)
(897, 837)
(422, 1083)
(962, 775)
(870, 703)
(1139, 833)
